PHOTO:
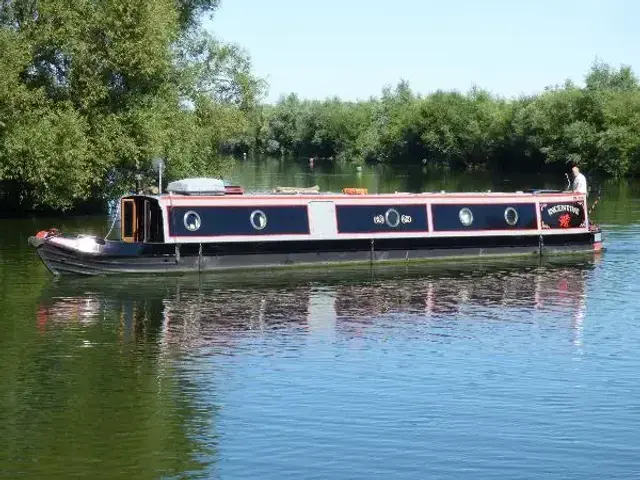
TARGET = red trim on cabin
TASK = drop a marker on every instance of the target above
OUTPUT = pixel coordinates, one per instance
(382, 233)
(526, 231)
(180, 205)
(358, 198)
(390, 235)
(470, 233)
(255, 236)
(538, 216)
(427, 204)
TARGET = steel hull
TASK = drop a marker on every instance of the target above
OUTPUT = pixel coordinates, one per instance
(121, 259)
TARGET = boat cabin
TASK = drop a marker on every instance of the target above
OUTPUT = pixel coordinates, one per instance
(141, 217)
(204, 210)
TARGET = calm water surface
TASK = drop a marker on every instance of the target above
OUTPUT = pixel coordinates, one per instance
(478, 371)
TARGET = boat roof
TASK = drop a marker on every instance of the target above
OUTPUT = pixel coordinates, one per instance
(336, 195)
(215, 188)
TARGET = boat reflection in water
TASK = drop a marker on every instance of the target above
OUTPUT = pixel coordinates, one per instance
(205, 311)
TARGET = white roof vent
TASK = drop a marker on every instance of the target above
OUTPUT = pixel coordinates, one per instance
(197, 186)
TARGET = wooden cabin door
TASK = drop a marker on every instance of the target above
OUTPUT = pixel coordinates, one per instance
(129, 221)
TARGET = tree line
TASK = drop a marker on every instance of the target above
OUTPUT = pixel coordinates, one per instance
(90, 92)
(596, 126)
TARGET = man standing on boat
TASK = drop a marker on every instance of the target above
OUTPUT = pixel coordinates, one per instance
(579, 183)
(579, 180)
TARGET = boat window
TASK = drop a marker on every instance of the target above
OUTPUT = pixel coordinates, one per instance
(392, 217)
(128, 220)
(192, 221)
(258, 219)
(466, 217)
(511, 216)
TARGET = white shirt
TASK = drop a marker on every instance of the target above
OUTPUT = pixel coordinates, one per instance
(580, 184)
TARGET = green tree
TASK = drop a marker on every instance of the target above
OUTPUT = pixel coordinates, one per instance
(92, 91)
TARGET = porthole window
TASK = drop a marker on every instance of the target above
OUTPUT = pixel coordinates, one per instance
(258, 219)
(511, 216)
(392, 217)
(192, 221)
(466, 217)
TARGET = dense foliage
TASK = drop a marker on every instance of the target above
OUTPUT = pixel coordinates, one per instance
(596, 126)
(91, 91)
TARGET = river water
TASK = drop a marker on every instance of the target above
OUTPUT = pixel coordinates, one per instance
(525, 370)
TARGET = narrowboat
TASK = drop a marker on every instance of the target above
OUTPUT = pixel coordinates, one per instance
(203, 224)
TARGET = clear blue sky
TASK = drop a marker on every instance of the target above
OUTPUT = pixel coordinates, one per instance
(352, 48)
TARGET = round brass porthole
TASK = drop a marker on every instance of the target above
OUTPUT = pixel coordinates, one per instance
(258, 219)
(192, 221)
(466, 217)
(511, 216)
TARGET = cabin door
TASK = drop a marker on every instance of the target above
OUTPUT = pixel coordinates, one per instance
(322, 219)
(128, 221)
